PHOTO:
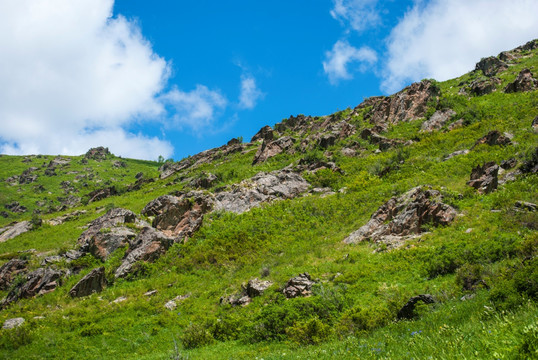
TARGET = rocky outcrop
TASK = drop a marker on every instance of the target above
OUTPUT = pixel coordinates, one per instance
(408, 310)
(384, 143)
(10, 270)
(67, 217)
(254, 288)
(15, 207)
(14, 229)
(13, 323)
(93, 282)
(491, 66)
(269, 149)
(409, 104)
(179, 217)
(456, 153)
(524, 82)
(261, 188)
(493, 138)
(485, 178)
(58, 162)
(103, 244)
(482, 86)
(438, 120)
(265, 133)
(39, 282)
(403, 218)
(113, 218)
(204, 181)
(101, 194)
(530, 166)
(510, 56)
(148, 246)
(99, 153)
(298, 286)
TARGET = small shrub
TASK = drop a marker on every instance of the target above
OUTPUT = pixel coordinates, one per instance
(196, 335)
(359, 319)
(309, 332)
(469, 276)
(92, 330)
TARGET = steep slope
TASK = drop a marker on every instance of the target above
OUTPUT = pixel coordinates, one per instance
(405, 227)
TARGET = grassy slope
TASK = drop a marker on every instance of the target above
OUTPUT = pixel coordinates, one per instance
(359, 290)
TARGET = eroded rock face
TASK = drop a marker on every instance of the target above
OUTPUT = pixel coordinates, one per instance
(298, 286)
(482, 86)
(93, 282)
(524, 82)
(15, 207)
(101, 194)
(256, 287)
(263, 187)
(265, 133)
(39, 282)
(491, 66)
(493, 138)
(10, 270)
(485, 178)
(438, 120)
(403, 217)
(113, 218)
(269, 149)
(103, 244)
(148, 246)
(67, 217)
(14, 229)
(408, 104)
(408, 310)
(99, 153)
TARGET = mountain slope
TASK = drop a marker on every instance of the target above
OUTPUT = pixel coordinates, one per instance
(373, 203)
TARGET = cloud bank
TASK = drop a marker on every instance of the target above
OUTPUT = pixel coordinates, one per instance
(359, 14)
(338, 60)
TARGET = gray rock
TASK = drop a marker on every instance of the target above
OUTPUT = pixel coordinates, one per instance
(102, 245)
(438, 120)
(256, 287)
(101, 194)
(493, 138)
(93, 282)
(265, 133)
(67, 217)
(483, 86)
(10, 270)
(13, 323)
(524, 82)
(14, 229)
(298, 286)
(99, 153)
(491, 66)
(485, 178)
(402, 218)
(38, 282)
(15, 207)
(269, 149)
(456, 153)
(113, 218)
(170, 305)
(522, 205)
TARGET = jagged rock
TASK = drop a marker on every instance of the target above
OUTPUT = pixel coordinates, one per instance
(493, 138)
(269, 149)
(531, 165)
(256, 287)
(13, 323)
(27, 177)
(39, 282)
(98, 153)
(10, 270)
(15, 207)
(510, 56)
(262, 187)
(265, 133)
(138, 183)
(103, 244)
(234, 141)
(509, 164)
(524, 82)
(113, 218)
(50, 172)
(236, 300)
(408, 310)
(119, 164)
(139, 175)
(14, 229)
(349, 152)
(67, 217)
(178, 217)
(298, 286)
(456, 124)
(327, 140)
(306, 165)
(484, 178)
(490, 66)
(409, 104)
(93, 282)
(483, 86)
(294, 123)
(58, 162)
(523, 205)
(13, 180)
(438, 120)
(49, 260)
(101, 194)
(73, 255)
(68, 202)
(148, 246)
(205, 181)
(384, 143)
(402, 218)
(456, 153)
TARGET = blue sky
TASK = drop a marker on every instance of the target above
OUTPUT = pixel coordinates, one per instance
(174, 78)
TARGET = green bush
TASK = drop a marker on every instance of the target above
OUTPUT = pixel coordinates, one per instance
(358, 319)
(309, 332)
(196, 335)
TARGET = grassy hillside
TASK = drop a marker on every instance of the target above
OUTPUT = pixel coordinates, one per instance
(481, 268)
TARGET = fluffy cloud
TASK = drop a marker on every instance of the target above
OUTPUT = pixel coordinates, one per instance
(341, 56)
(250, 94)
(74, 77)
(442, 39)
(359, 14)
(196, 109)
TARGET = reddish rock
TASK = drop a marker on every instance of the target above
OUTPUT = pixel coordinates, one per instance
(39, 282)
(485, 178)
(298, 286)
(493, 138)
(265, 133)
(10, 270)
(524, 82)
(269, 149)
(93, 282)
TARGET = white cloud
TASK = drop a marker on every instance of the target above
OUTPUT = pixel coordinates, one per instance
(250, 94)
(196, 109)
(341, 56)
(67, 67)
(358, 14)
(443, 39)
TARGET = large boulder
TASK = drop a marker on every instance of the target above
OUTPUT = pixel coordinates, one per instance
(93, 282)
(148, 246)
(269, 149)
(113, 218)
(10, 270)
(403, 217)
(265, 133)
(38, 282)
(14, 229)
(13, 323)
(15, 207)
(524, 82)
(256, 287)
(491, 66)
(485, 178)
(408, 310)
(493, 138)
(101, 194)
(300, 285)
(99, 153)
(438, 120)
(103, 244)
